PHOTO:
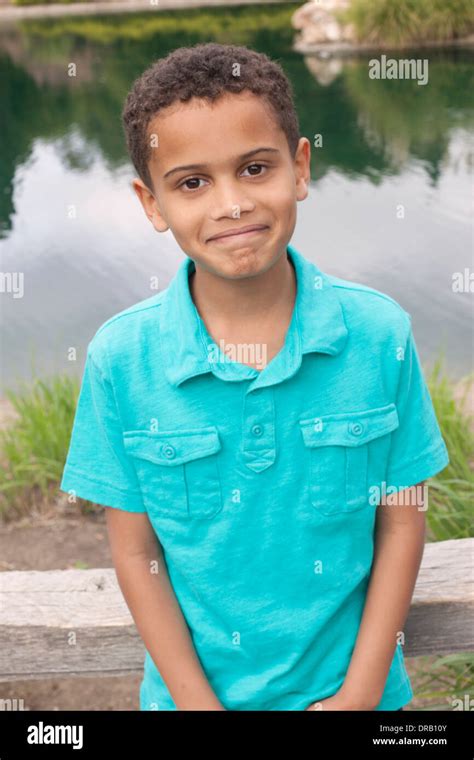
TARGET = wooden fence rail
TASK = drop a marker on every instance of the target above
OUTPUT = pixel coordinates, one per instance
(76, 622)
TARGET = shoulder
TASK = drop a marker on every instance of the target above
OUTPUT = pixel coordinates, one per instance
(371, 311)
(124, 332)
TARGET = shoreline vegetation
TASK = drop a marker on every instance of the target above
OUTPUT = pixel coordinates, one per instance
(325, 26)
(337, 27)
(401, 22)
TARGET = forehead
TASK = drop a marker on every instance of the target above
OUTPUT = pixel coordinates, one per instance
(199, 131)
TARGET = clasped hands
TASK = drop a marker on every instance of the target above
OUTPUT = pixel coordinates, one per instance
(337, 701)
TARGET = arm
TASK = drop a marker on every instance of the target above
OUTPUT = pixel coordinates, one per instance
(400, 538)
(143, 579)
(417, 452)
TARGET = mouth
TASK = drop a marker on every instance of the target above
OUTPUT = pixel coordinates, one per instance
(239, 234)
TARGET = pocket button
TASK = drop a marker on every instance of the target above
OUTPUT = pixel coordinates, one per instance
(169, 451)
(356, 428)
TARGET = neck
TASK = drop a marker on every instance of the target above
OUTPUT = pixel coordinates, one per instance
(245, 301)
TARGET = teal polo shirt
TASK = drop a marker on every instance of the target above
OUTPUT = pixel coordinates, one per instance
(261, 485)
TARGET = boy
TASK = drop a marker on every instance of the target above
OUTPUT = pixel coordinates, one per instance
(244, 426)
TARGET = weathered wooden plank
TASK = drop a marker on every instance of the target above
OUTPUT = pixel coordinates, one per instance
(70, 622)
(441, 617)
(76, 622)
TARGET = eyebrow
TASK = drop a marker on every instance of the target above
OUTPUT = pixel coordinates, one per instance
(195, 167)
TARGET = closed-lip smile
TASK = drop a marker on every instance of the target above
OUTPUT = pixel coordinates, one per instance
(238, 231)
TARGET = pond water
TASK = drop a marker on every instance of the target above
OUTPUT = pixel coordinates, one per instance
(389, 204)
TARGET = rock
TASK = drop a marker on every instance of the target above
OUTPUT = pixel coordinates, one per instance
(332, 31)
(302, 16)
(318, 24)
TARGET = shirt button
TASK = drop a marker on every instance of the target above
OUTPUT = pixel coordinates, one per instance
(356, 428)
(169, 451)
(257, 430)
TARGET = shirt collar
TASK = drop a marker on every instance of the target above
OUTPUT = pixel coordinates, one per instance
(317, 324)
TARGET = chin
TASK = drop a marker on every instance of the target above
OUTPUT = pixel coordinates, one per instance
(246, 263)
(246, 268)
(238, 264)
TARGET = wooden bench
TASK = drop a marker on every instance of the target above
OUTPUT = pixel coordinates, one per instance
(76, 622)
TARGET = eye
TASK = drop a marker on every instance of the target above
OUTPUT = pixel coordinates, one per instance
(259, 166)
(191, 179)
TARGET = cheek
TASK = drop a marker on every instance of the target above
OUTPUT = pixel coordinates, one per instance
(185, 216)
(281, 194)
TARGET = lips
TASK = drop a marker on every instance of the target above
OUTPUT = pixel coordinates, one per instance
(239, 231)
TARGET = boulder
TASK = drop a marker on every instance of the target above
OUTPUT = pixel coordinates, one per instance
(318, 25)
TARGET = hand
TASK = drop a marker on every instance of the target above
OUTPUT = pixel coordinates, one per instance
(337, 702)
(329, 703)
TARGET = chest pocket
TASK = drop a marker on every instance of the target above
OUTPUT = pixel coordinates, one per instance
(177, 471)
(341, 448)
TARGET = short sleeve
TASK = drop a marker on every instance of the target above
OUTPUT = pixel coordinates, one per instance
(97, 468)
(418, 450)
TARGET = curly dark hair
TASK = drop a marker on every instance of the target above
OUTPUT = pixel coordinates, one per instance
(205, 71)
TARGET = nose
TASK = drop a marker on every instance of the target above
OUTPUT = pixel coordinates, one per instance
(230, 200)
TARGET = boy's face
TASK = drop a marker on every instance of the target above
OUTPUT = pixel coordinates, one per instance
(224, 190)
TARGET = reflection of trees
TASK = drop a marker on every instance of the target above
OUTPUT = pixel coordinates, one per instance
(16, 130)
(400, 118)
(329, 112)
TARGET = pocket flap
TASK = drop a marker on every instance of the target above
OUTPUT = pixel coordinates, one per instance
(172, 447)
(349, 428)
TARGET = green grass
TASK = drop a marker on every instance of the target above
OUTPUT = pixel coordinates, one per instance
(237, 25)
(450, 497)
(403, 22)
(439, 682)
(33, 449)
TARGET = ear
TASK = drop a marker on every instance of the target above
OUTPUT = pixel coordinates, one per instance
(302, 163)
(150, 205)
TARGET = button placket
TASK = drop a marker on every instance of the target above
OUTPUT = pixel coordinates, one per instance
(258, 443)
